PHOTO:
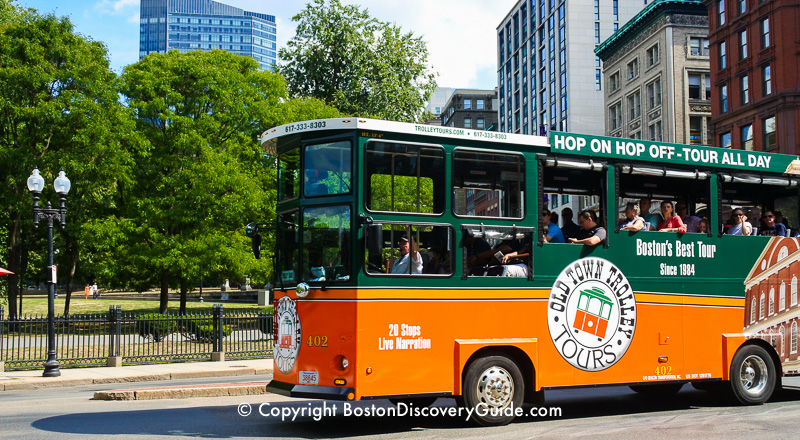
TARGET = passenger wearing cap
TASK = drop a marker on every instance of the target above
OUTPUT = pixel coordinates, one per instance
(400, 265)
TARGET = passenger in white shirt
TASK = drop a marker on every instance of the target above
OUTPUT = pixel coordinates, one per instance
(400, 265)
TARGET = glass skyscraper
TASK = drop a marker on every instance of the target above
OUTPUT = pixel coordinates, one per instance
(186, 25)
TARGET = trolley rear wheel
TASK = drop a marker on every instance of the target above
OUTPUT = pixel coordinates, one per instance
(753, 375)
(494, 387)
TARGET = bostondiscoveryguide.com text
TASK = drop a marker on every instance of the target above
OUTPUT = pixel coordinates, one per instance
(318, 411)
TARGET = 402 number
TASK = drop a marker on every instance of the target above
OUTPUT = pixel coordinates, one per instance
(662, 370)
(317, 341)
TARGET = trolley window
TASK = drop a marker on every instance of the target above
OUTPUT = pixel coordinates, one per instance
(327, 168)
(409, 249)
(488, 184)
(288, 175)
(405, 177)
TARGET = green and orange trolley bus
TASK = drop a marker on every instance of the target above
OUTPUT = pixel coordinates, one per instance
(412, 263)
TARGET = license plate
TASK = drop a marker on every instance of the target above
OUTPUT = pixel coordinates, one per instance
(309, 378)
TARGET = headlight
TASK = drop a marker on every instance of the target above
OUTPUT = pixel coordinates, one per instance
(302, 290)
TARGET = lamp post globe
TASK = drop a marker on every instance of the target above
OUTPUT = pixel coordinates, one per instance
(62, 183)
(35, 181)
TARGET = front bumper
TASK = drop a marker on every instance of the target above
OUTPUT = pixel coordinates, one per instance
(310, 391)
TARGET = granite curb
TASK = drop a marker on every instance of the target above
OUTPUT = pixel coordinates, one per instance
(183, 392)
(32, 379)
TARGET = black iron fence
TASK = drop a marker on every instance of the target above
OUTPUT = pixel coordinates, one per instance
(123, 338)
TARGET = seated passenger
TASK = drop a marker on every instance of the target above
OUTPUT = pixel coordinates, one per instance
(692, 222)
(591, 234)
(554, 234)
(406, 258)
(440, 263)
(515, 254)
(672, 222)
(739, 224)
(703, 226)
(569, 228)
(769, 227)
(652, 218)
(479, 252)
(632, 221)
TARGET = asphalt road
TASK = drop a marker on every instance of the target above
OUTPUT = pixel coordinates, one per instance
(612, 412)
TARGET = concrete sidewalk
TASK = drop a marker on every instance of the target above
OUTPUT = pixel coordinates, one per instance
(32, 379)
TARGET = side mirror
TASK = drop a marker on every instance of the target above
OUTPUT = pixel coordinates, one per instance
(255, 241)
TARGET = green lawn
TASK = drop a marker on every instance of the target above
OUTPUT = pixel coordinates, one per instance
(37, 305)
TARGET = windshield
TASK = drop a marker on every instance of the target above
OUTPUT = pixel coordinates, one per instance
(288, 175)
(288, 245)
(327, 169)
(326, 243)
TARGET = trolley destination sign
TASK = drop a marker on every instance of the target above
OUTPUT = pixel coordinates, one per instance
(661, 152)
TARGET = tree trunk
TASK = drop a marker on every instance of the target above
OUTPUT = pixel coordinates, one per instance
(72, 248)
(164, 300)
(14, 264)
(184, 293)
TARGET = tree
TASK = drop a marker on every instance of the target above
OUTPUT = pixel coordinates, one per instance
(204, 174)
(58, 108)
(361, 66)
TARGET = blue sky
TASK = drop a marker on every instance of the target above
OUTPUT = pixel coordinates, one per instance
(460, 33)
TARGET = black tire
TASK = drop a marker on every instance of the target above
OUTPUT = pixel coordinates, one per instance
(419, 402)
(494, 387)
(658, 389)
(753, 375)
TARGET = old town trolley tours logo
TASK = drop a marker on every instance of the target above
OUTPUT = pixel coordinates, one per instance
(289, 335)
(591, 314)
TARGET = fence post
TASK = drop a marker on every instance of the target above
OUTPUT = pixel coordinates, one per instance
(218, 354)
(114, 317)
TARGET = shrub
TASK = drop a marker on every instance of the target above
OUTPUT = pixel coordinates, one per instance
(155, 326)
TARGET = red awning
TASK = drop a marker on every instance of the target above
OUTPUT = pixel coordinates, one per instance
(5, 272)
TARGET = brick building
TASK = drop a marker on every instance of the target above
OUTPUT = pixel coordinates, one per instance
(771, 308)
(755, 76)
(475, 109)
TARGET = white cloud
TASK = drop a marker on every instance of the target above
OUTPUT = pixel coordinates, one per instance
(461, 34)
(118, 7)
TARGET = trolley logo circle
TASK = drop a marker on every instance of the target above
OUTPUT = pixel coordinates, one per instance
(289, 335)
(591, 314)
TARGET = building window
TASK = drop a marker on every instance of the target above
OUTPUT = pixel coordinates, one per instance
(771, 301)
(695, 86)
(741, 6)
(614, 81)
(723, 55)
(723, 99)
(747, 138)
(480, 123)
(652, 55)
(770, 139)
(761, 307)
(698, 46)
(782, 296)
(479, 104)
(467, 104)
(743, 44)
(793, 344)
(766, 81)
(597, 80)
(654, 94)
(597, 33)
(468, 123)
(633, 69)
(635, 105)
(745, 90)
(725, 140)
(655, 131)
(765, 33)
(615, 116)
(696, 130)
(720, 12)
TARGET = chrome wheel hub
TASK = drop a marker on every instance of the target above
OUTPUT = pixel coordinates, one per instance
(753, 375)
(495, 387)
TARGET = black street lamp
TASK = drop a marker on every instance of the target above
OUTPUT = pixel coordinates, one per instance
(35, 186)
